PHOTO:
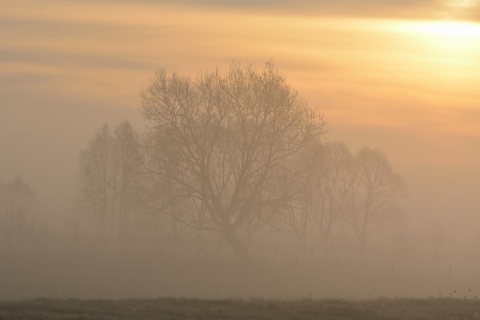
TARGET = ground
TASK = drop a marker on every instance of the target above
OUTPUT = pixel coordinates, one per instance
(437, 309)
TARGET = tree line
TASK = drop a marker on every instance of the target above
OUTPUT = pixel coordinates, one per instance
(232, 154)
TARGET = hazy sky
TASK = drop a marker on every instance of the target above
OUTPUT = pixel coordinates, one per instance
(401, 75)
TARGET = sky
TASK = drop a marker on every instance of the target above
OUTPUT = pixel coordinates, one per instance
(400, 75)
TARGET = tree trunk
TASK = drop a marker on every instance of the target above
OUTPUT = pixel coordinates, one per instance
(362, 241)
(325, 246)
(238, 247)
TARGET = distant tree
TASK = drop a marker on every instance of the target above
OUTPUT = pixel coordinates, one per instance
(301, 188)
(16, 198)
(334, 184)
(94, 177)
(109, 181)
(373, 202)
(16, 192)
(217, 143)
(321, 180)
(127, 161)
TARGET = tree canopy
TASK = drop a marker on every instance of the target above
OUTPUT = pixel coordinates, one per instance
(220, 141)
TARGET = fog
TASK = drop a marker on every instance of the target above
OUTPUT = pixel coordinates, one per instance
(403, 102)
(51, 247)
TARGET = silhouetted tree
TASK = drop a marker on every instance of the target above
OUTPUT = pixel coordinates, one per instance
(321, 180)
(16, 198)
(217, 143)
(334, 184)
(300, 189)
(109, 180)
(16, 193)
(128, 182)
(94, 177)
(373, 202)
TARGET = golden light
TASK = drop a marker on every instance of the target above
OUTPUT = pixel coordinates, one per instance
(459, 39)
(446, 52)
(451, 29)
(461, 3)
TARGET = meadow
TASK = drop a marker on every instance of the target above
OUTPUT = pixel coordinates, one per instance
(438, 309)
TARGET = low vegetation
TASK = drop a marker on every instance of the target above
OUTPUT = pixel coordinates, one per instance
(444, 308)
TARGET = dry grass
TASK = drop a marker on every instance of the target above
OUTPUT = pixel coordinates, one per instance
(438, 309)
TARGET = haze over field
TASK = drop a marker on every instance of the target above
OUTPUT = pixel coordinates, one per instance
(401, 76)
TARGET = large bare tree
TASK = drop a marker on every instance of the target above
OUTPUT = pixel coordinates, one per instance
(217, 144)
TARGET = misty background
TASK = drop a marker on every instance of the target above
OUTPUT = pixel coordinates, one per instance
(67, 70)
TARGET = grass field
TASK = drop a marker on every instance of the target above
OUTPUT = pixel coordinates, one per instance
(437, 309)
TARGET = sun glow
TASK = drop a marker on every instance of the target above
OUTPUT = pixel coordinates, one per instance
(450, 29)
(446, 51)
(446, 37)
(461, 3)
(453, 29)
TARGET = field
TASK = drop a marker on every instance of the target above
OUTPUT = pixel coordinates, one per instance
(437, 309)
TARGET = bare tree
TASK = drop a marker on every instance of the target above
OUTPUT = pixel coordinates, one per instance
(319, 188)
(16, 199)
(300, 189)
(373, 203)
(127, 179)
(109, 180)
(94, 177)
(218, 142)
(333, 185)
